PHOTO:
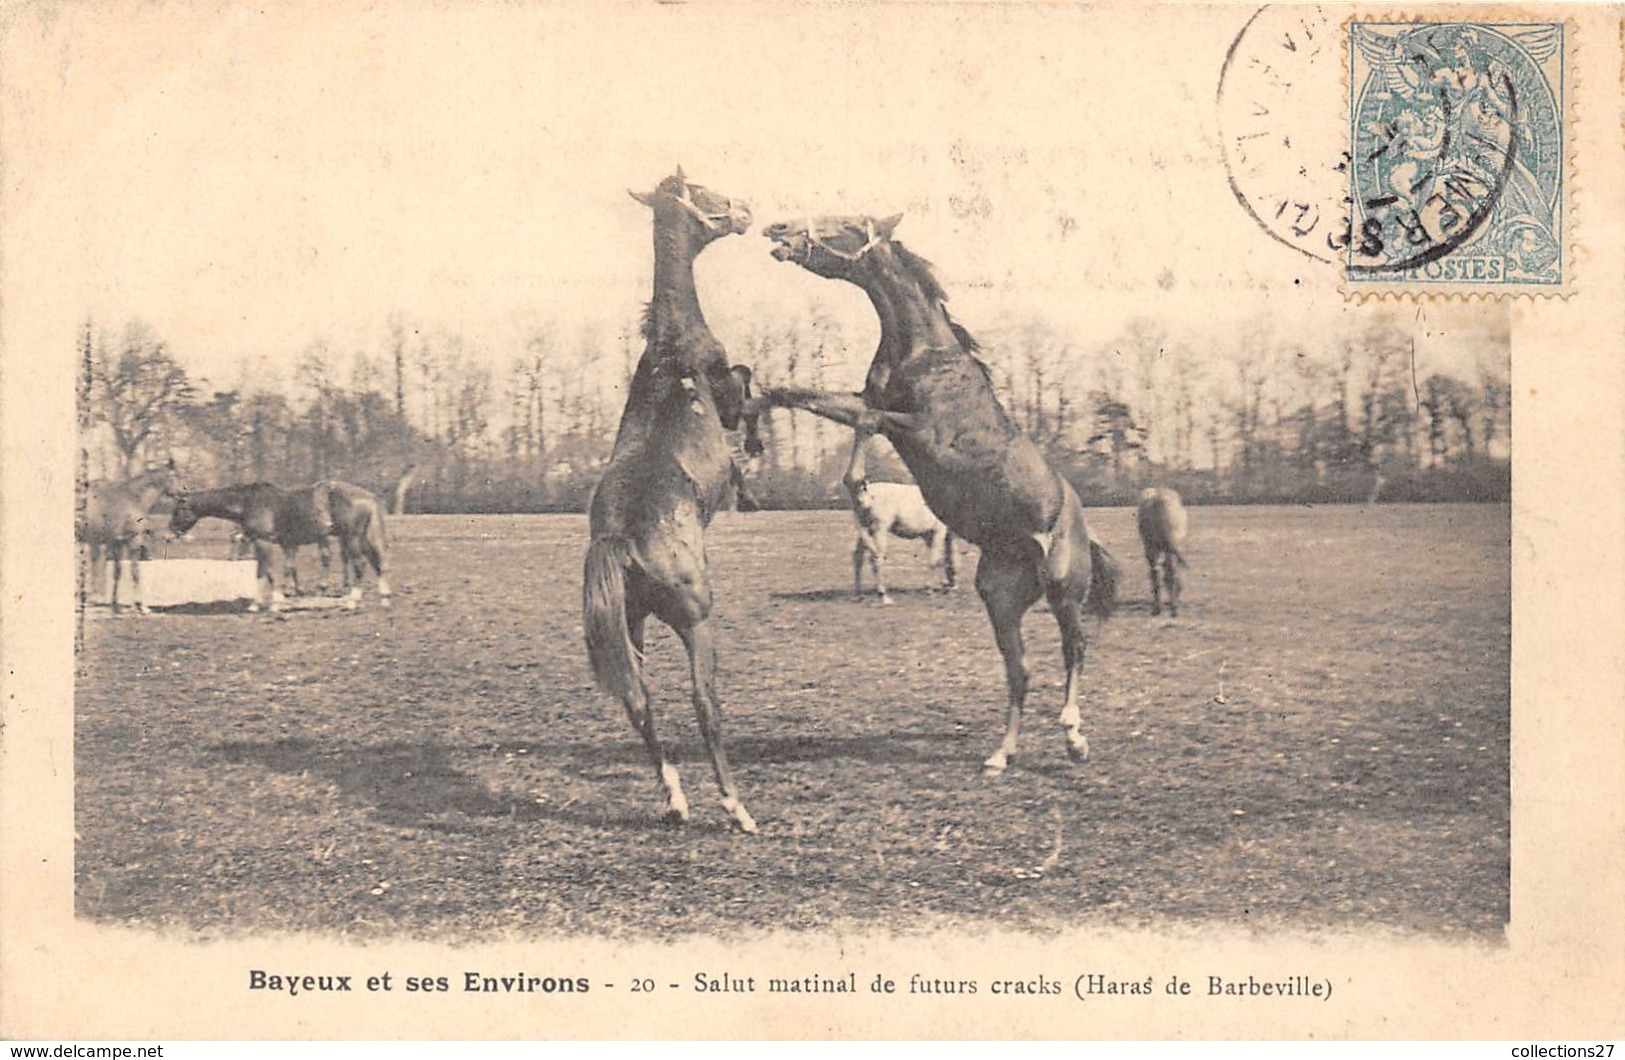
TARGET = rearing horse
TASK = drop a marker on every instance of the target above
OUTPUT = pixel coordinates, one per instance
(671, 470)
(932, 398)
(114, 519)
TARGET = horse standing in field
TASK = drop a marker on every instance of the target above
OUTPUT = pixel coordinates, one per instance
(1162, 522)
(671, 470)
(114, 522)
(890, 509)
(933, 399)
(273, 518)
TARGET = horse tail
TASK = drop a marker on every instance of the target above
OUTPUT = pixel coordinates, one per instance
(1103, 577)
(617, 665)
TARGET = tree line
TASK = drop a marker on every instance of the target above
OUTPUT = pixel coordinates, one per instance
(1257, 416)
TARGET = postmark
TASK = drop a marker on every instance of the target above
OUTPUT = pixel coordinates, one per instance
(1446, 167)
(1285, 150)
(1458, 156)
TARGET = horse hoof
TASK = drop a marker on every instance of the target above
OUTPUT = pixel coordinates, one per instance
(994, 767)
(885, 601)
(744, 820)
(1077, 749)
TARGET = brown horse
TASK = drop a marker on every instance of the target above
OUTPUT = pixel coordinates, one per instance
(272, 518)
(671, 470)
(1162, 523)
(934, 400)
(114, 522)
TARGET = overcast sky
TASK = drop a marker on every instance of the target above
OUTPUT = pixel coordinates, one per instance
(248, 182)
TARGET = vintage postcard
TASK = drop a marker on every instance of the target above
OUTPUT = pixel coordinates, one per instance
(861, 520)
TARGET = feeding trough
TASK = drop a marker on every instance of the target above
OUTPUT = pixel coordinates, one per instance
(169, 582)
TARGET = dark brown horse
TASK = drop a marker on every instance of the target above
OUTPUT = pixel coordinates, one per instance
(273, 518)
(933, 399)
(1161, 519)
(672, 469)
(114, 522)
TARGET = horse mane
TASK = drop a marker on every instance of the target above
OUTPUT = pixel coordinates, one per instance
(920, 269)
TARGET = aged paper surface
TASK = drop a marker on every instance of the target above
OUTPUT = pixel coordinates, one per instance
(990, 125)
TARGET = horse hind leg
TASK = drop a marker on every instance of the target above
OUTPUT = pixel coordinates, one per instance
(371, 552)
(1068, 611)
(1156, 586)
(1008, 589)
(702, 663)
(949, 576)
(635, 698)
(1170, 574)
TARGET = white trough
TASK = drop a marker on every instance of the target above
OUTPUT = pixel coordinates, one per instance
(167, 582)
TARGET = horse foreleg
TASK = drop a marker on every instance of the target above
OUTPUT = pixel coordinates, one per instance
(847, 409)
(702, 664)
(324, 550)
(860, 553)
(1008, 587)
(117, 554)
(876, 542)
(290, 570)
(98, 570)
(265, 583)
(349, 569)
(949, 576)
(137, 601)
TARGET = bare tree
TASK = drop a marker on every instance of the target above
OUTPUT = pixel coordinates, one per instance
(137, 392)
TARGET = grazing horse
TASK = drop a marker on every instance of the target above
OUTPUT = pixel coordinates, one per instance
(272, 518)
(114, 522)
(933, 399)
(1162, 522)
(671, 470)
(890, 509)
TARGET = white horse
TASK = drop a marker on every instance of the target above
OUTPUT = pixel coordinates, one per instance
(1162, 521)
(891, 509)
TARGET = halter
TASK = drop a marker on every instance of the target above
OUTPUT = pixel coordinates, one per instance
(869, 230)
(711, 221)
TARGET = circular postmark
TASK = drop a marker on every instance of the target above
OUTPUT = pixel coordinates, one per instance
(1283, 126)
(1456, 151)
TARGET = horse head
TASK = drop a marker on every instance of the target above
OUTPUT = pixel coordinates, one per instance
(707, 214)
(832, 247)
(184, 517)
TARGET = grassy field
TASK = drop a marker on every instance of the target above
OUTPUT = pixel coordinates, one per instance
(1320, 740)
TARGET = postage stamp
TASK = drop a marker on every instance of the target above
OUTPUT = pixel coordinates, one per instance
(1458, 156)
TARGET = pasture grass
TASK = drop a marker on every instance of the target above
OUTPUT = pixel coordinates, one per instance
(1321, 740)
